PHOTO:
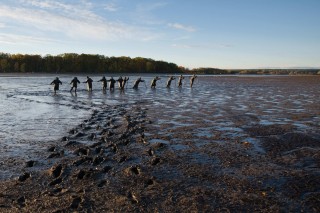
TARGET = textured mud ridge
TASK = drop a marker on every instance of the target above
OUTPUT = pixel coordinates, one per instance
(116, 161)
(215, 157)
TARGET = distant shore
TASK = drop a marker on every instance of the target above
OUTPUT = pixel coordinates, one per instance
(285, 72)
(72, 63)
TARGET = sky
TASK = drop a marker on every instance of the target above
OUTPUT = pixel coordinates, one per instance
(227, 34)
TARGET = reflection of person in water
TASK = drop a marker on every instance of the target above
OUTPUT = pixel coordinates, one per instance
(136, 83)
(192, 80)
(104, 83)
(89, 83)
(154, 82)
(120, 82)
(112, 82)
(180, 81)
(171, 78)
(74, 83)
(56, 82)
(125, 80)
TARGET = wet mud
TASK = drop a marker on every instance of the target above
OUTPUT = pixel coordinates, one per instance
(248, 145)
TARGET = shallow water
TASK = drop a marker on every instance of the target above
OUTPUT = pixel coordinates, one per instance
(218, 109)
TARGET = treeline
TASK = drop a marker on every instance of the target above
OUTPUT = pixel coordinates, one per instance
(208, 71)
(278, 72)
(87, 63)
(215, 71)
(82, 63)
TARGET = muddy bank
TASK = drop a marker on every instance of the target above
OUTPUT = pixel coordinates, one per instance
(116, 161)
(246, 150)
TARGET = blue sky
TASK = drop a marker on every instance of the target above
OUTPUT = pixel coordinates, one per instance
(190, 33)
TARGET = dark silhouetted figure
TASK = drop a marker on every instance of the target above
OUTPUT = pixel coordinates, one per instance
(89, 83)
(180, 81)
(125, 80)
(112, 82)
(154, 82)
(56, 82)
(136, 83)
(104, 83)
(120, 82)
(192, 80)
(74, 83)
(171, 78)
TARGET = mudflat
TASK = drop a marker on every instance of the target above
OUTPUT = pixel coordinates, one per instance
(229, 144)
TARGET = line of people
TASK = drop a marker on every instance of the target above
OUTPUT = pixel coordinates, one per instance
(122, 82)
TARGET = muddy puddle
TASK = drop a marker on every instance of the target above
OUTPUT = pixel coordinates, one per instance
(228, 144)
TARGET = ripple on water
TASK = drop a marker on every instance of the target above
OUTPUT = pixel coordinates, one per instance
(256, 144)
(204, 132)
(156, 140)
(179, 147)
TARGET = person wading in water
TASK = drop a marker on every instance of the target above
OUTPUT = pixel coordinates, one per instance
(154, 82)
(192, 80)
(74, 83)
(56, 82)
(104, 83)
(180, 81)
(89, 83)
(112, 82)
(120, 82)
(136, 83)
(171, 78)
(125, 80)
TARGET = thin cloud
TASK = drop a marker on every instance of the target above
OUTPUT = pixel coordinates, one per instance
(81, 9)
(181, 46)
(150, 6)
(182, 38)
(111, 7)
(42, 4)
(182, 27)
(226, 45)
(201, 46)
(7, 38)
(84, 24)
(146, 14)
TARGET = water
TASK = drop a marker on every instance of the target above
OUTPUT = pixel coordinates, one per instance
(32, 117)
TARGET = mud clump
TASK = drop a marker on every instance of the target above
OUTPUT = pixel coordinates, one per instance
(75, 202)
(30, 163)
(289, 141)
(155, 161)
(55, 181)
(268, 130)
(24, 177)
(56, 171)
